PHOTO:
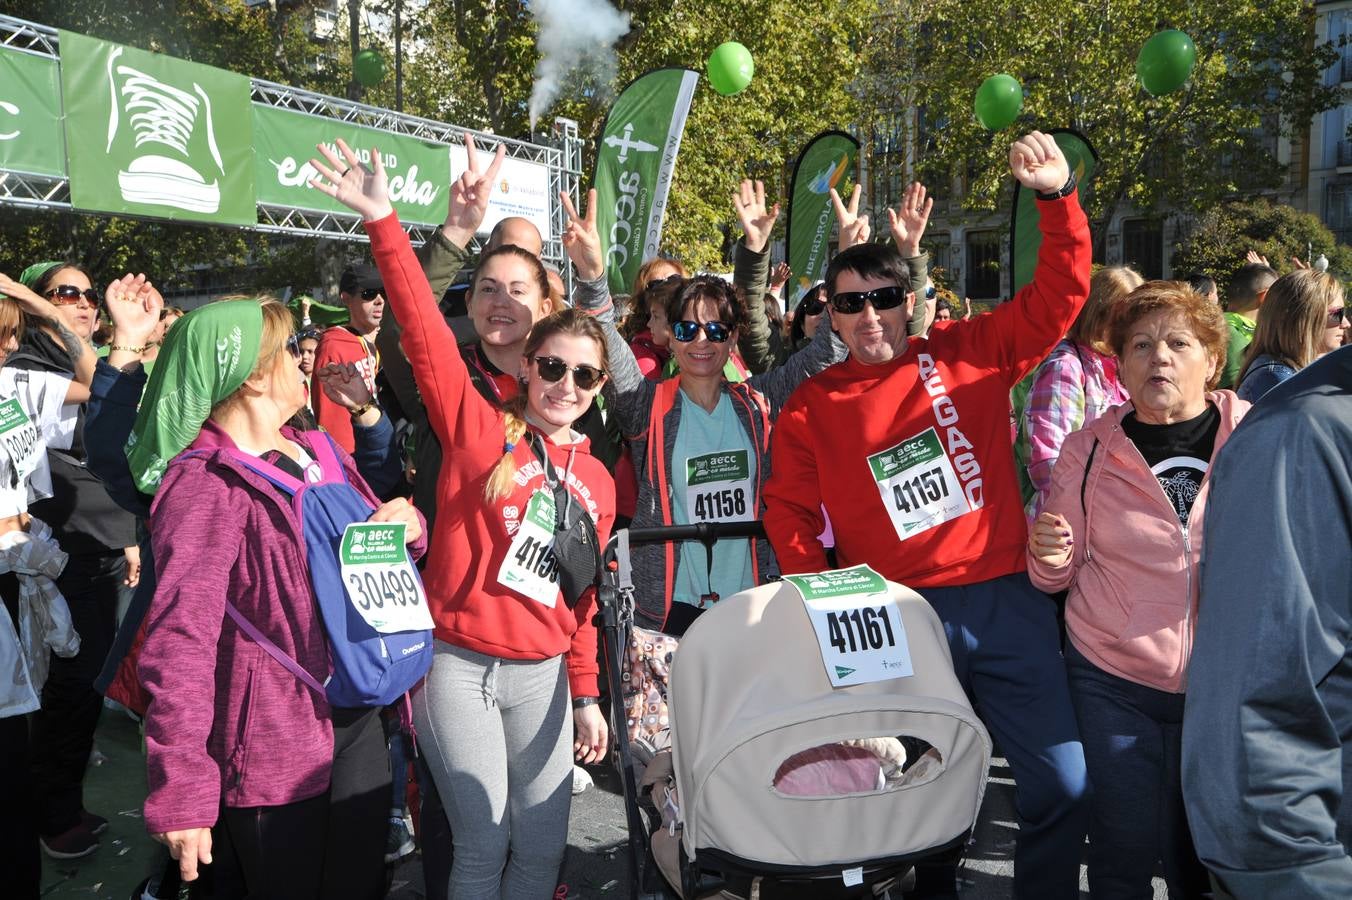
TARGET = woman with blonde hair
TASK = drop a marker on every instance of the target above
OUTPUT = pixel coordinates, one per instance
(1303, 318)
(513, 650)
(1076, 384)
(249, 767)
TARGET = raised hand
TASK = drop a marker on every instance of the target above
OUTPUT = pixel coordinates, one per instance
(362, 190)
(908, 220)
(1050, 539)
(134, 306)
(757, 220)
(581, 240)
(854, 228)
(779, 277)
(1253, 257)
(344, 385)
(470, 194)
(1038, 163)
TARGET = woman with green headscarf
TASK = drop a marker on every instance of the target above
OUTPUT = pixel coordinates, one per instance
(241, 765)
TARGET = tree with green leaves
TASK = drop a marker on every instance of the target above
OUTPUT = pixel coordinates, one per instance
(1226, 233)
(1259, 73)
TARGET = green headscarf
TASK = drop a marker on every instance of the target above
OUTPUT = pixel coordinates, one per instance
(31, 274)
(205, 358)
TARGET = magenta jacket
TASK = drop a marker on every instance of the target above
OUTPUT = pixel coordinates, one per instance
(226, 722)
(1133, 575)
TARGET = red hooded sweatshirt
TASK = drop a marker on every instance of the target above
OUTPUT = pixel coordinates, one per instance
(470, 607)
(912, 459)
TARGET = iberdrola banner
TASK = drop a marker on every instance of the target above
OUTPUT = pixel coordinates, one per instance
(826, 162)
(150, 135)
(634, 163)
(30, 114)
(1025, 238)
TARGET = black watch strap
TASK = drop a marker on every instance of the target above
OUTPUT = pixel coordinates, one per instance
(1066, 189)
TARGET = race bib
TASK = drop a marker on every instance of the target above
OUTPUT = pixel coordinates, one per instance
(718, 487)
(858, 625)
(379, 578)
(918, 486)
(19, 439)
(530, 567)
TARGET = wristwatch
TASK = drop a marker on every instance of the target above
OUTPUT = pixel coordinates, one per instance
(359, 411)
(580, 702)
(1066, 189)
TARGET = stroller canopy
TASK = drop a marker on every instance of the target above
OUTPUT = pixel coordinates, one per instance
(749, 690)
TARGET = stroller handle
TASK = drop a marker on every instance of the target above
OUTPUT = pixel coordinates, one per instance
(705, 532)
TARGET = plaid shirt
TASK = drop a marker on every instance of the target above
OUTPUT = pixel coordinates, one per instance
(1074, 386)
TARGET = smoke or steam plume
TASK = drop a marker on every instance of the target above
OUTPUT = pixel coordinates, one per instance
(576, 36)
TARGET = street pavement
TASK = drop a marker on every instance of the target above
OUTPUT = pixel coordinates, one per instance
(595, 866)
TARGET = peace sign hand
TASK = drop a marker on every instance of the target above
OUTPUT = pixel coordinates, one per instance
(854, 228)
(757, 220)
(581, 240)
(352, 184)
(470, 194)
(908, 221)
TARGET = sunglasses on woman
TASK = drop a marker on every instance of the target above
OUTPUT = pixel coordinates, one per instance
(293, 346)
(1337, 317)
(852, 302)
(812, 306)
(686, 331)
(552, 369)
(69, 295)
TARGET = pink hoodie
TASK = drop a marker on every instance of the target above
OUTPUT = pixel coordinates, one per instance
(1133, 576)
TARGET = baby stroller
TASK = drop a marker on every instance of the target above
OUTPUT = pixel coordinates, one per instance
(749, 696)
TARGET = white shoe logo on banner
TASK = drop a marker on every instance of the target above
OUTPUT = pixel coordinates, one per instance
(162, 118)
(13, 111)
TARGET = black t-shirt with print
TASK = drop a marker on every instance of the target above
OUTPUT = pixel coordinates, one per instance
(1178, 454)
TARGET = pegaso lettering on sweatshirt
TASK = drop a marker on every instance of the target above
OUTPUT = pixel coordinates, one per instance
(955, 442)
(532, 470)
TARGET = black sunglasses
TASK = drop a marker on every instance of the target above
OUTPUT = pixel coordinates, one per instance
(552, 369)
(852, 302)
(372, 293)
(293, 346)
(67, 294)
(686, 331)
(812, 306)
(1337, 316)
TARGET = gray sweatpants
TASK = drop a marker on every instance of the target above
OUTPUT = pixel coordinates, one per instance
(498, 739)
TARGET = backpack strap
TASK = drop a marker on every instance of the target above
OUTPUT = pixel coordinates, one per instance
(273, 650)
(327, 456)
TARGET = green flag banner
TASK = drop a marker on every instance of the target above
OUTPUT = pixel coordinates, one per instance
(284, 141)
(634, 163)
(1024, 235)
(150, 135)
(825, 163)
(30, 114)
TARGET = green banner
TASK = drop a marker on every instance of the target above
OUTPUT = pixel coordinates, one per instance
(1024, 235)
(635, 159)
(284, 141)
(149, 135)
(30, 114)
(828, 161)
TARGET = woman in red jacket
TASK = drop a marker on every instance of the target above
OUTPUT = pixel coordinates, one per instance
(493, 714)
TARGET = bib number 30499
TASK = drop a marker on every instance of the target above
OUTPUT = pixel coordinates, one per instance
(858, 626)
(381, 583)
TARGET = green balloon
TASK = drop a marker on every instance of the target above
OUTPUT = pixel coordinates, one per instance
(730, 68)
(998, 102)
(1166, 61)
(368, 67)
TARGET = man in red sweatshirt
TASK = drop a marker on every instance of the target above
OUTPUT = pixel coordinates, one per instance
(907, 448)
(362, 293)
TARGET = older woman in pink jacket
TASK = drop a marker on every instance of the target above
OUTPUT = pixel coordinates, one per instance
(1121, 529)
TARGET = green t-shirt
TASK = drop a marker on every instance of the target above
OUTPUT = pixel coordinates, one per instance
(1241, 335)
(713, 477)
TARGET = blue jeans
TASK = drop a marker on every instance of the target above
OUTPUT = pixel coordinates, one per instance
(1007, 655)
(1133, 742)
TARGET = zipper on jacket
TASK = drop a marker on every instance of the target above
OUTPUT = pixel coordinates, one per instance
(1185, 650)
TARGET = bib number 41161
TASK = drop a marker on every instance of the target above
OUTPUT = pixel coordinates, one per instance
(866, 628)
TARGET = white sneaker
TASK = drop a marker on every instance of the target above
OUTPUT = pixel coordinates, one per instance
(581, 780)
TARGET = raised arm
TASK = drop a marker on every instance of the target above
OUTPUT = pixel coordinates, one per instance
(825, 349)
(908, 222)
(81, 357)
(632, 392)
(759, 344)
(455, 410)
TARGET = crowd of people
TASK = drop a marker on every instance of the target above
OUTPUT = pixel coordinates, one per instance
(1141, 557)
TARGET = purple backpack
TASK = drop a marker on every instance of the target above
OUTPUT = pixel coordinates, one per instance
(369, 668)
